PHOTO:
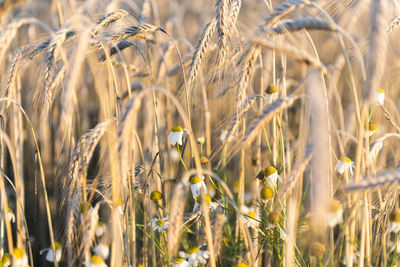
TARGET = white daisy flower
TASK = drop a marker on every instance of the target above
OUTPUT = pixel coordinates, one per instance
(197, 186)
(100, 229)
(200, 140)
(20, 258)
(379, 97)
(180, 262)
(345, 164)
(272, 93)
(160, 224)
(251, 217)
(10, 215)
(195, 256)
(49, 254)
(271, 176)
(176, 135)
(394, 222)
(334, 213)
(101, 250)
(95, 261)
(371, 129)
(224, 134)
(211, 205)
(5, 260)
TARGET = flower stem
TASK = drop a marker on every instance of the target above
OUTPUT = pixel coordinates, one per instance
(180, 157)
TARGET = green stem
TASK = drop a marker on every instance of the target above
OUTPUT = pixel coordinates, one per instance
(180, 157)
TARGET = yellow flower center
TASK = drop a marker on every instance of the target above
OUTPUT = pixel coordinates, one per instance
(345, 159)
(236, 185)
(252, 214)
(394, 216)
(317, 249)
(269, 170)
(207, 199)
(274, 217)
(119, 201)
(96, 259)
(176, 129)
(381, 91)
(100, 224)
(10, 211)
(84, 207)
(334, 206)
(241, 265)
(178, 260)
(6, 258)
(57, 245)
(266, 193)
(155, 195)
(272, 89)
(195, 180)
(160, 222)
(372, 126)
(203, 160)
(18, 253)
(193, 250)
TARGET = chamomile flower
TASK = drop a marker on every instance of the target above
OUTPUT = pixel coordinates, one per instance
(272, 93)
(101, 250)
(200, 140)
(271, 176)
(394, 222)
(236, 186)
(5, 260)
(155, 195)
(371, 129)
(160, 224)
(251, 216)
(211, 205)
(176, 135)
(267, 192)
(100, 229)
(95, 261)
(345, 164)
(20, 259)
(180, 262)
(379, 97)
(119, 203)
(49, 254)
(197, 186)
(10, 215)
(317, 249)
(334, 213)
(195, 256)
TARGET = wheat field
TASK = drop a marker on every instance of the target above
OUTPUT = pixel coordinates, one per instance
(199, 133)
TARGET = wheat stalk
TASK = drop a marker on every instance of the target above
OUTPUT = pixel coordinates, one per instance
(302, 24)
(369, 183)
(107, 20)
(284, 9)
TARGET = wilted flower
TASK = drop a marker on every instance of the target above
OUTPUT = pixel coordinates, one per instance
(334, 213)
(155, 195)
(100, 229)
(271, 176)
(95, 261)
(49, 254)
(176, 135)
(20, 258)
(180, 262)
(211, 205)
(274, 218)
(10, 215)
(101, 250)
(160, 224)
(203, 160)
(197, 186)
(345, 164)
(267, 192)
(371, 129)
(272, 93)
(379, 97)
(394, 221)
(195, 256)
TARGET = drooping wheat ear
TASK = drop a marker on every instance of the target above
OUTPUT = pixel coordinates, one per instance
(382, 179)
(119, 47)
(377, 145)
(12, 71)
(176, 216)
(302, 24)
(284, 9)
(89, 229)
(377, 48)
(290, 51)
(68, 35)
(222, 28)
(134, 31)
(217, 231)
(71, 218)
(266, 116)
(234, 12)
(107, 20)
(245, 74)
(201, 48)
(389, 117)
(293, 178)
(393, 24)
(80, 159)
(54, 44)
